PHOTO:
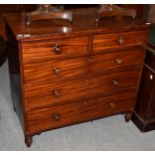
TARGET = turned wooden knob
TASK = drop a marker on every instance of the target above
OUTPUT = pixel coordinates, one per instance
(112, 104)
(57, 49)
(90, 59)
(56, 93)
(121, 41)
(56, 70)
(85, 102)
(56, 117)
(118, 61)
(115, 82)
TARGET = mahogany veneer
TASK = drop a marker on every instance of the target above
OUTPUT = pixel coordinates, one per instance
(58, 70)
(87, 109)
(62, 75)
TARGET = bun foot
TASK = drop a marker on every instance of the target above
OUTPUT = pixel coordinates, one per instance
(128, 117)
(28, 141)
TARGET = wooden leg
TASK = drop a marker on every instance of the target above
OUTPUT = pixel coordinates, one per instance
(128, 116)
(28, 141)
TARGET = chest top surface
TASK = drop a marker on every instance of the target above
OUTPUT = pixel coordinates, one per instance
(83, 23)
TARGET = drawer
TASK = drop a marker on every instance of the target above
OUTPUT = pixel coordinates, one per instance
(43, 95)
(58, 70)
(76, 112)
(118, 40)
(38, 51)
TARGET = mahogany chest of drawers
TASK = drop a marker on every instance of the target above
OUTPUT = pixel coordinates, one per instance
(63, 75)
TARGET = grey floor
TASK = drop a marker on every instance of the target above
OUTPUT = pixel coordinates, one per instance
(110, 133)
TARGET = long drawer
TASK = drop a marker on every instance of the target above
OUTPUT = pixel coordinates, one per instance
(76, 112)
(103, 42)
(37, 96)
(38, 51)
(58, 70)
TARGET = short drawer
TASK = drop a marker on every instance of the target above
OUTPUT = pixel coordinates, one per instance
(76, 112)
(38, 51)
(58, 70)
(43, 95)
(115, 41)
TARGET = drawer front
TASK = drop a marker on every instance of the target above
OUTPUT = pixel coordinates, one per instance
(76, 112)
(118, 40)
(59, 49)
(58, 70)
(44, 95)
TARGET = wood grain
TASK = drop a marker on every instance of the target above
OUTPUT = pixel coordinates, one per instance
(44, 50)
(76, 112)
(84, 22)
(74, 73)
(118, 40)
(60, 70)
(42, 95)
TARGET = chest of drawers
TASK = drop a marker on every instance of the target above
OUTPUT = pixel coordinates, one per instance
(88, 71)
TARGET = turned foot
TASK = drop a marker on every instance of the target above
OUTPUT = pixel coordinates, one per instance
(128, 116)
(28, 141)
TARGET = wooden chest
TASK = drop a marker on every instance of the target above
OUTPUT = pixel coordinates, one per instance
(62, 75)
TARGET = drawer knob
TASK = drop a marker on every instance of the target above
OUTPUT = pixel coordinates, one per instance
(90, 59)
(115, 82)
(56, 117)
(121, 41)
(57, 49)
(112, 104)
(85, 103)
(56, 70)
(118, 61)
(56, 93)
